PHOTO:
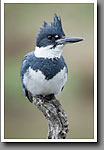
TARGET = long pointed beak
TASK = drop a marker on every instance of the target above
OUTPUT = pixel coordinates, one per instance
(64, 40)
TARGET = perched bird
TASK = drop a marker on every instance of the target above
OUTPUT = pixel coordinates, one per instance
(44, 71)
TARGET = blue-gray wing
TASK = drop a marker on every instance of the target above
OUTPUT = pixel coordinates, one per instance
(62, 59)
(24, 67)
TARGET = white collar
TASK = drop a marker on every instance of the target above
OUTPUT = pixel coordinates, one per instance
(48, 52)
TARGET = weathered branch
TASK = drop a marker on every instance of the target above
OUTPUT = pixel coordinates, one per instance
(57, 119)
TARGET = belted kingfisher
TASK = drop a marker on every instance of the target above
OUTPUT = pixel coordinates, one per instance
(44, 71)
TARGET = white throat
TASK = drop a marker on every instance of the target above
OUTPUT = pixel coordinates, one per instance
(49, 52)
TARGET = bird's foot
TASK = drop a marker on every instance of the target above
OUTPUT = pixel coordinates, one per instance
(40, 97)
(49, 97)
(52, 100)
(46, 97)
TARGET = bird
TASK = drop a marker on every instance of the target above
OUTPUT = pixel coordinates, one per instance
(44, 71)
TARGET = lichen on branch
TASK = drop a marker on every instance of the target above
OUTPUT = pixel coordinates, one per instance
(55, 115)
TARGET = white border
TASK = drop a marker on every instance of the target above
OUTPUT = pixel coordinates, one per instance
(47, 1)
(2, 72)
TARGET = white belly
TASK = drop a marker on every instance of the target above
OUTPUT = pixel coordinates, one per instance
(36, 83)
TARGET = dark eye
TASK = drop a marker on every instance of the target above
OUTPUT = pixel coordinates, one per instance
(50, 37)
(57, 37)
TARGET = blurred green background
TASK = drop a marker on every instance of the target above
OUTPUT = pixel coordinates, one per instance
(22, 22)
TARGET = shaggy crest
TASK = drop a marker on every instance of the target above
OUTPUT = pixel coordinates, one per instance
(55, 28)
(55, 23)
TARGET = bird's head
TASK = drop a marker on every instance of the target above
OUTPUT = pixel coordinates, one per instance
(51, 39)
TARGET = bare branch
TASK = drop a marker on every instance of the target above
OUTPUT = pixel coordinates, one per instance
(57, 119)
